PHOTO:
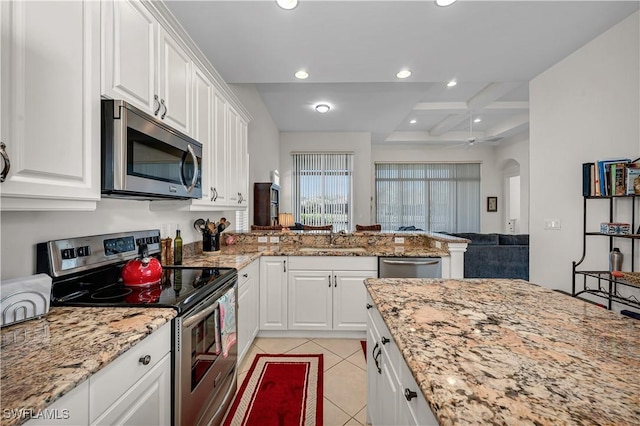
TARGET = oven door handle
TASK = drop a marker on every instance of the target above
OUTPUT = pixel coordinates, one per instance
(188, 322)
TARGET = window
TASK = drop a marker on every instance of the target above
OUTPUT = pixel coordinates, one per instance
(430, 196)
(322, 189)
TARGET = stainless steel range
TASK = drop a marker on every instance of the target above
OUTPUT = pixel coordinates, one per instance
(86, 271)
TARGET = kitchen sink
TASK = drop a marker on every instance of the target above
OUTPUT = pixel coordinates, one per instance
(334, 249)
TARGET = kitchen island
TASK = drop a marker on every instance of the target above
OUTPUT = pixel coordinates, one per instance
(511, 352)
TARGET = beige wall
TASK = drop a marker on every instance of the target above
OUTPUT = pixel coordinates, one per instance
(583, 109)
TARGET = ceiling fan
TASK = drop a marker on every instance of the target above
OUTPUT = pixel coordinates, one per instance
(472, 141)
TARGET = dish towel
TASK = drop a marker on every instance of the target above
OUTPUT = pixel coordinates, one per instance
(228, 321)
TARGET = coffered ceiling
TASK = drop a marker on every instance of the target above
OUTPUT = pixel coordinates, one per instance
(353, 50)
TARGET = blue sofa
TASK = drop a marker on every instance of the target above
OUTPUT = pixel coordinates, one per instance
(496, 255)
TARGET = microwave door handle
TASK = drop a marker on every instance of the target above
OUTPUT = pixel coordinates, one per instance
(196, 170)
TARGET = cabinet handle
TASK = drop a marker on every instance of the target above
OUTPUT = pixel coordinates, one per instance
(409, 394)
(7, 163)
(385, 340)
(284, 264)
(240, 198)
(145, 360)
(165, 109)
(156, 101)
(369, 306)
(335, 281)
(214, 195)
(375, 357)
(245, 275)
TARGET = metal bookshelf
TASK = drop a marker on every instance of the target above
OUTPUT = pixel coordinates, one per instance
(602, 283)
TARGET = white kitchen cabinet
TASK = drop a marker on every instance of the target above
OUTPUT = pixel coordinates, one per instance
(248, 307)
(393, 396)
(328, 293)
(50, 80)
(202, 131)
(237, 137)
(70, 410)
(135, 389)
(273, 292)
(145, 65)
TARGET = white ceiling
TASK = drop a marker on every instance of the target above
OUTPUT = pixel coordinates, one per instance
(353, 49)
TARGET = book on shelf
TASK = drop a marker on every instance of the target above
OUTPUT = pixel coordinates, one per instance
(609, 176)
(633, 179)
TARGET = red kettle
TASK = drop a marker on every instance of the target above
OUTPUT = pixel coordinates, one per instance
(143, 270)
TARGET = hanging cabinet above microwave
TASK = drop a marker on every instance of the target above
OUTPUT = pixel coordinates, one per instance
(137, 49)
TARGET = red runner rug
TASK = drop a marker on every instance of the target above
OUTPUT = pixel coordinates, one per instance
(280, 390)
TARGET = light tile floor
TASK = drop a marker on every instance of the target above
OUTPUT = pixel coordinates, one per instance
(345, 376)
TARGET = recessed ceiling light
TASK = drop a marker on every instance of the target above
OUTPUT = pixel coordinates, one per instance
(445, 2)
(452, 83)
(322, 108)
(403, 74)
(477, 120)
(413, 121)
(302, 74)
(287, 4)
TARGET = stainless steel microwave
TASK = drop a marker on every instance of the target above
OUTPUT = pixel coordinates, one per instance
(145, 159)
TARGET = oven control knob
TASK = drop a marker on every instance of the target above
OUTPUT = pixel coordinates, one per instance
(145, 360)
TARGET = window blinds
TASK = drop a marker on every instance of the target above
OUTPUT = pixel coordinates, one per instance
(437, 197)
(322, 189)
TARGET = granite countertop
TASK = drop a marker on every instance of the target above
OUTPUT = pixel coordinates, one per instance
(43, 359)
(239, 256)
(511, 352)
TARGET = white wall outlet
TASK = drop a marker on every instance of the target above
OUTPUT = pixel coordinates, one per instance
(274, 240)
(398, 249)
(398, 240)
(262, 239)
(552, 224)
(438, 244)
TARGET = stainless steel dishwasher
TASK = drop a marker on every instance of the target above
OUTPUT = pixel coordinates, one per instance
(409, 267)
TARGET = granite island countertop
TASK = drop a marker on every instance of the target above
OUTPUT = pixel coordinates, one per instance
(514, 353)
(43, 359)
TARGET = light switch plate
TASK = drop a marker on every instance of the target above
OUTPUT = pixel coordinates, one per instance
(398, 240)
(438, 244)
(274, 240)
(399, 249)
(262, 239)
(552, 224)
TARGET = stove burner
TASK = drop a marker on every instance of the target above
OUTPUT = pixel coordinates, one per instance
(111, 292)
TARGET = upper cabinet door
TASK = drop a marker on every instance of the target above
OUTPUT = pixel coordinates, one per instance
(129, 54)
(174, 78)
(50, 109)
(202, 120)
(220, 153)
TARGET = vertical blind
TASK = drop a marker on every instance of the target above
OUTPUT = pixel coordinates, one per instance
(437, 197)
(322, 189)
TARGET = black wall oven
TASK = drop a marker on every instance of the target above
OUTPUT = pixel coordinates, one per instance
(144, 158)
(86, 272)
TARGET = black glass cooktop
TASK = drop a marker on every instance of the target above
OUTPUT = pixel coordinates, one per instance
(180, 288)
